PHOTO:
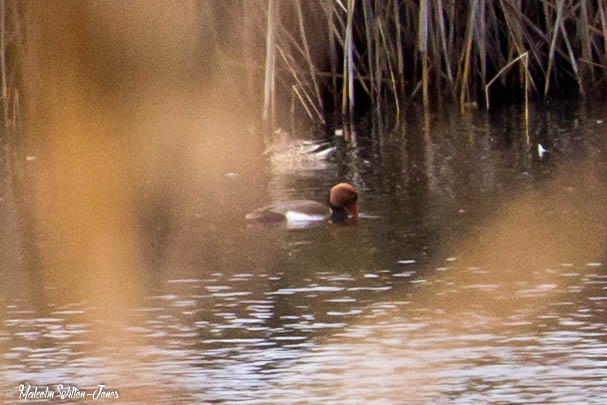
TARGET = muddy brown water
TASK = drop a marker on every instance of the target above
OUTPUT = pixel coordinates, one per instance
(476, 275)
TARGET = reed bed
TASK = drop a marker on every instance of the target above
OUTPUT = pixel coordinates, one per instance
(330, 60)
(338, 57)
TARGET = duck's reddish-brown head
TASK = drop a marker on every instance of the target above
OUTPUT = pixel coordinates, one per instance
(344, 196)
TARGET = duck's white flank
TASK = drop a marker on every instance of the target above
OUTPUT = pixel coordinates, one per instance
(294, 217)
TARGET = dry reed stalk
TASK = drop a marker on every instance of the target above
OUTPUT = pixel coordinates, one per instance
(308, 56)
(515, 42)
(495, 25)
(5, 101)
(347, 106)
(451, 17)
(369, 19)
(356, 54)
(468, 49)
(527, 76)
(570, 55)
(247, 41)
(294, 42)
(16, 38)
(303, 103)
(378, 66)
(435, 59)
(601, 8)
(269, 81)
(423, 49)
(400, 63)
(440, 20)
(557, 24)
(572, 60)
(481, 42)
(531, 41)
(547, 13)
(340, 4)
(294, 74)
(7, 146)
(515, 20)
(584, 27)
(524, 57)
(332, 56)
(393, 80)
(292, 111)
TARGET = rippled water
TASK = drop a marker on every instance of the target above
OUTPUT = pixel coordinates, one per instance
(475, 275)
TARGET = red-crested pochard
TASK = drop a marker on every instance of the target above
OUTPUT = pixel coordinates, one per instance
(342, 208)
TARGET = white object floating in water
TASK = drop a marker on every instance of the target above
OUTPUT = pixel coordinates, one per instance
(30, 158)
(294, 217)
(231, 175)
(408, 261)
(599, 121)
(367, 216)
(404, 274)
(541, 151)
(351, 312)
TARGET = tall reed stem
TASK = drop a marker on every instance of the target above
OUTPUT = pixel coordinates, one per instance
(467, 62)
(423, 49)
(268, 115)
(347, 106)
(5, 100)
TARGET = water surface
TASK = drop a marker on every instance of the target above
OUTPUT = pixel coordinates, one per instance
(475, 275)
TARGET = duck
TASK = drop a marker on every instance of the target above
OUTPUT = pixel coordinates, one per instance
(301, 149)
(342, 208)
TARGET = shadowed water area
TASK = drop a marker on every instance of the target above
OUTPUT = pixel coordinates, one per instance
(476, 275)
